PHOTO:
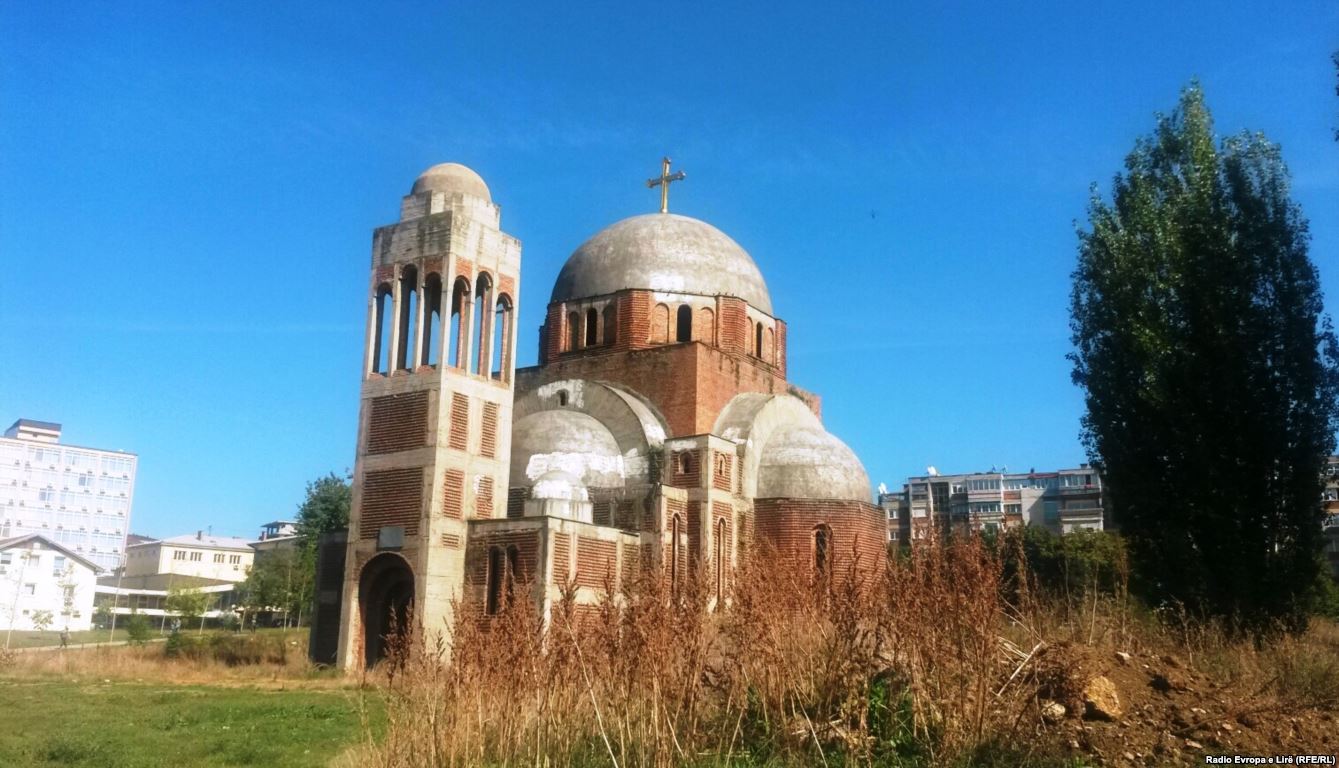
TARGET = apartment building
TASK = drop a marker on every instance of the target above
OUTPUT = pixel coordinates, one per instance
(203, 555)
(78, 497)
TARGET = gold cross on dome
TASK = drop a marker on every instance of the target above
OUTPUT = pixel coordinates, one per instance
(664, 181)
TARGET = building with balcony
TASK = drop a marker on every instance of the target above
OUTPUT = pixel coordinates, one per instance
(77, 497)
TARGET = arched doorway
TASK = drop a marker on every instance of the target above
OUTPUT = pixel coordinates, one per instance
(385, 595)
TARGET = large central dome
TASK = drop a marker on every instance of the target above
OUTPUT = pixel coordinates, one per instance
(662, 252)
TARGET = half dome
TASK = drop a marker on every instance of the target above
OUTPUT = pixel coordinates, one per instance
(808, 462)
(567, 441)
(662, 252)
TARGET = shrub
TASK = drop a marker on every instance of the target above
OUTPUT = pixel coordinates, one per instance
(137, 629)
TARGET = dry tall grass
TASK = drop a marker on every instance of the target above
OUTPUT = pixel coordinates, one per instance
(911, 666)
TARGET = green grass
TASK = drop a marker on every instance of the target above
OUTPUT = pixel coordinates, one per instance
(125, 725)
(31, 639)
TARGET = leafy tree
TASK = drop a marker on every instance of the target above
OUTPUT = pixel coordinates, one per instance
(325, 509)
(280, 580)
(42, 620)
(1211, 375)
(189, 603)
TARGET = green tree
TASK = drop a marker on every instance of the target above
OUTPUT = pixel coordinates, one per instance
(137, 628)
(189, 603)
(42, 620)
(1211, 376)
(325, 509)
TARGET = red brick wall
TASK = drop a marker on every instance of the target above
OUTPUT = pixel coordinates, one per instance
(488, 435)
(596, 561)
(391, 497)
(735, 333)
(562, 553)
(685, 469)
(483, 497)
(453, 493)
(859, 530)
(722, 470)
(694, 528)
(476, 554)
(397, 422)
(460, 421)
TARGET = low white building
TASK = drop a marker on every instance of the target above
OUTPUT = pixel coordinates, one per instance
(40, 578)
(222, 558)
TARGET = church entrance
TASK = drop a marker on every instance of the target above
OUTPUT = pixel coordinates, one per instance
(385, 596)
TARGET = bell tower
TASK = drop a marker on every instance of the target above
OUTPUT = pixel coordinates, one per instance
(434, 425)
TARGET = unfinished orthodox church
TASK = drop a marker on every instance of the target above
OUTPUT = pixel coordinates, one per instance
(657, 433)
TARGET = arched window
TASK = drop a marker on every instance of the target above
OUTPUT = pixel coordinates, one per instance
(381, 341)
(675, 526)
(483, 299)
(610, 318)
(757, 340)
(504, 572)
(822, 551)
(685, 462)
(592, 327)
(408, 316)
(432, 319)
(460, 324)
(683, 328)
(562, 397)
(769, 346)
(659, 324)
(573, 331)
(721, 554)
(502, 339)
(706, 325)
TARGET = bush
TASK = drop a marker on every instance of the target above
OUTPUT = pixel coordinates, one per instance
(137, 629)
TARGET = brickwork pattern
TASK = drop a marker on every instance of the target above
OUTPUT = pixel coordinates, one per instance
(397, 422)
(476, 555)
(488, 432)
(391, 497)
(562, 559)
(597, 561)
(483, 496)
(460, 421)
(859, 530)
(453, 494)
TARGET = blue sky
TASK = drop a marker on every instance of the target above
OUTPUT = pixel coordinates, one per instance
(187, 193)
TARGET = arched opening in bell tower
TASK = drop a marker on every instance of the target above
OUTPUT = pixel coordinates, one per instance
(386, 599)
(483, 297)
(381, 341)
(460, 298)
(432, 320)
(408, 317)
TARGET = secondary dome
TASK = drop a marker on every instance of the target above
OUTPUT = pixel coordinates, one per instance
(566, 441)
(451, 178)
(808, 462)
(662, 252)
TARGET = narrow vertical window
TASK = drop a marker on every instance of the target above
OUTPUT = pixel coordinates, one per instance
(610, 322)
(757, 340)
(496, 574)
(483, 297)
(381, 344)
(674, 554)
(573, 331)
(502, 339)
(408, 311)
(432, 320)
(822, 551)
(592, 327)
(721, 554)
(683, 330)
(460, 299)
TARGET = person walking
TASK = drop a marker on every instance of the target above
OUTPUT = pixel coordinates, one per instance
(65, 637)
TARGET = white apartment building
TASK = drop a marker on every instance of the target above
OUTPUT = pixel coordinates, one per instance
(221, 558)
(79, 498)
(39, 576)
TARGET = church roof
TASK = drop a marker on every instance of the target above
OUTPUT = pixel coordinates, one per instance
(808, 462)
(451, 178)
(662, 252)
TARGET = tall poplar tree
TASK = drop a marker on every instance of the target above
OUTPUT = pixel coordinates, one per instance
(1210, 372)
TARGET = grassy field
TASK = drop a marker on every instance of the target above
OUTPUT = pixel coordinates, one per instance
(37, 639)
(111, 724)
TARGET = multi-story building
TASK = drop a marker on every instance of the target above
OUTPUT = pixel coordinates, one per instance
(276, 536)
(39, 576)
(79, 498)
(221, 558)
(1064, 501)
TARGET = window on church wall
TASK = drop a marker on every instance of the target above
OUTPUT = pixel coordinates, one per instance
(659, 324)
(592, 327)
(675, 526)
(408, 316)
(381, 341)
(706, 325)
(432, 319)
(822, 551)
(721, 555)
(757, 340)
(502, 339)
(483, 297)
(460, 302)
(573, 331)
(610, 317)
(683, 329)
(769, 346)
